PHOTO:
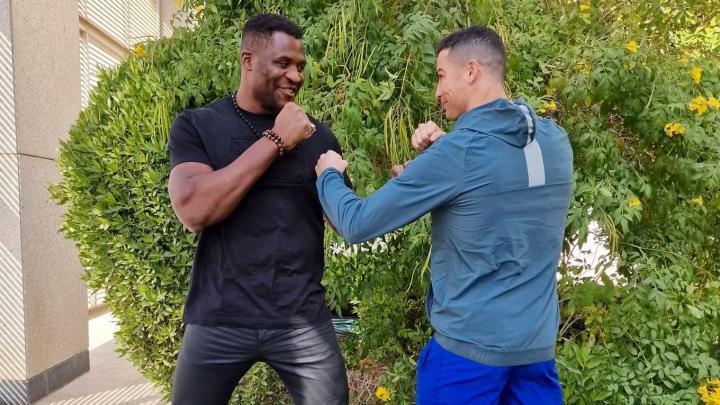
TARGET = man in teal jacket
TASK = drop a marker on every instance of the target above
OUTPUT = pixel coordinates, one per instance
(498, 188)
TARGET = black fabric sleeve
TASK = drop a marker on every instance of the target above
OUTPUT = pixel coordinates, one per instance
(185, 143)
(336, 147)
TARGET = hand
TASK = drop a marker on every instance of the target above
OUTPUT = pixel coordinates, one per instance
(397, 169)
(425, 134)
(330, 159)
(292, 125)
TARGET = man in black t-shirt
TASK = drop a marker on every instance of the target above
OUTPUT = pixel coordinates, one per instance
(243, 178)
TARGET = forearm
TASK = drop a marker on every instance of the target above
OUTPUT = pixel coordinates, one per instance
(361, 219)
(334, 196)
(433, 179)
(211, 197)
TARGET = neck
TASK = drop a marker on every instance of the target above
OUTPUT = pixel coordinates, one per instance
(485, 94)
(245, 99)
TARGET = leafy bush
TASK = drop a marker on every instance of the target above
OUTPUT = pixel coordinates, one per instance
(623, 78)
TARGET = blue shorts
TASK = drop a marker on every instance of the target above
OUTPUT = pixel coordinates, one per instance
(444, 377)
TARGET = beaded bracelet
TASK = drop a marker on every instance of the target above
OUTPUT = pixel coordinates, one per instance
(270, 134)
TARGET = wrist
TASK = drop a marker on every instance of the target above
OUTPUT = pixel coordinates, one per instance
(329, 170)
(287, 142)
(277, 140)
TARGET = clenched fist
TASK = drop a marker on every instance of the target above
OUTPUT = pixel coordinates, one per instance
(397, 169)
(425, 134)
(293, 125)
(330, 159)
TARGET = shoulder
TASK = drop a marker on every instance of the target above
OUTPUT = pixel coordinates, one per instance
(457, 141)
(196, 120)
(206, 112)
(545, 125)
(550, 133)
(323, 132)
(447, 152)
(553, 139)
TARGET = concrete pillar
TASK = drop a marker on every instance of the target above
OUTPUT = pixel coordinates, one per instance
(43, 302)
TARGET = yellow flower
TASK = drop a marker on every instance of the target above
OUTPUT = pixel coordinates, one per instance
(632, 47)
(139, 51)
(634, 202)
(710, 392)
(696, 74)
(199, 9)
(179, 4)
(698, 200)
(582, 66)
(684, 61)
(551, 106)
(714, 103)
(699, 105)
(584, 7)
(382, 393)
(674, 128)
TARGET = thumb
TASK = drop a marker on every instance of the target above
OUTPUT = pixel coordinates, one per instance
(435, 135)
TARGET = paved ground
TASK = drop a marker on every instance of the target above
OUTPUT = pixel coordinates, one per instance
(112, 380)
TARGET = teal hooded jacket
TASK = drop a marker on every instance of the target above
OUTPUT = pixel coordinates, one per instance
(498, 188)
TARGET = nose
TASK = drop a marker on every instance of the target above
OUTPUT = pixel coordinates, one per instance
(438, 93)
(295, 76)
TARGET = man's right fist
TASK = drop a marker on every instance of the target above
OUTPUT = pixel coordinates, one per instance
(397, 169)
(425, 134)
(293, 125)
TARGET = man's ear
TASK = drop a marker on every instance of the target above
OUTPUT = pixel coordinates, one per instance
(473, 71)
(246, 59)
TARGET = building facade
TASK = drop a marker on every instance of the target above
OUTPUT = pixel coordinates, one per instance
(50, 54)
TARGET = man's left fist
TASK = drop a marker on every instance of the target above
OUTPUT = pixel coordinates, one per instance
(330, 159)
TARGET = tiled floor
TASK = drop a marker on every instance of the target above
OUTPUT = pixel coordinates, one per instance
(112, 380)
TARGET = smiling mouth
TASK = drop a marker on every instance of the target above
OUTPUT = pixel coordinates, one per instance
(289, 91)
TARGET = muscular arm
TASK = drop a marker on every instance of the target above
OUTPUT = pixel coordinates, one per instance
(202, 197)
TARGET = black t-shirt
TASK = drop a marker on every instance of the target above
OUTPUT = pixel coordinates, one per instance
(261, 266)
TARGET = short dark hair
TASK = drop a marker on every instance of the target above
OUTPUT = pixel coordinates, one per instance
(479, 43)
(262, 27)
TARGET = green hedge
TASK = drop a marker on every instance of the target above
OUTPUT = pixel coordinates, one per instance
(649, 334)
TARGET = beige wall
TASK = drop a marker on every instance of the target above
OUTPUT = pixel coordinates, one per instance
(47, 101)
(56, 310)
(43, 302)
(168, 8)
(12, 310)
(47, 78)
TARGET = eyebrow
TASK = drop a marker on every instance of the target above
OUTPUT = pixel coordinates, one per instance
(289, 58)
